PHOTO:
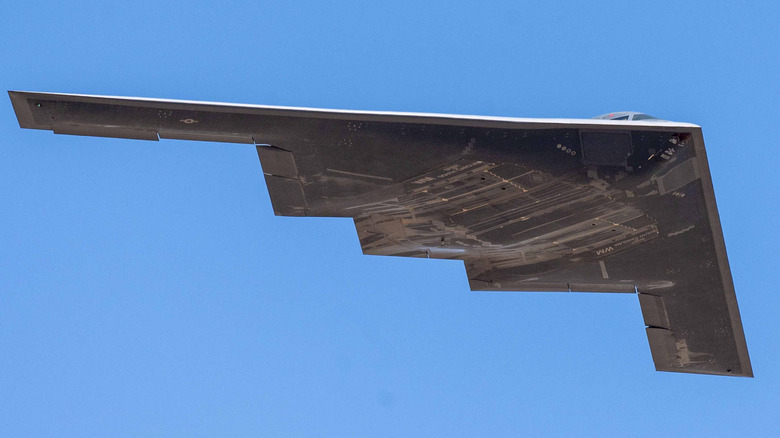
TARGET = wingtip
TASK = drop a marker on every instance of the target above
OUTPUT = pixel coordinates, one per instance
(12, 93)
(22, 109)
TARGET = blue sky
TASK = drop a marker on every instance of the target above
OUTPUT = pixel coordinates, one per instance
(147, 289)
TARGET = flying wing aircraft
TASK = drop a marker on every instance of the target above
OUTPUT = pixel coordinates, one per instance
(566, 205)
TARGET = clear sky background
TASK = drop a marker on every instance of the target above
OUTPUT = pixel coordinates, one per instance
(147, 289)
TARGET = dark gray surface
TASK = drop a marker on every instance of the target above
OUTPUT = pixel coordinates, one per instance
(527, 204)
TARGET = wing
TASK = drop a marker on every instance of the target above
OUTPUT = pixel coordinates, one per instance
(526, 204)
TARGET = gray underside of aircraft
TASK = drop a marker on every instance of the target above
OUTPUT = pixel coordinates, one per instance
(562, 205)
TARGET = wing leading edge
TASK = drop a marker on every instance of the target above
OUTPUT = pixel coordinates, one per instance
(527, 204)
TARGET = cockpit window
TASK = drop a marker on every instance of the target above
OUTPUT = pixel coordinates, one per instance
(626, 115)
(644, 117)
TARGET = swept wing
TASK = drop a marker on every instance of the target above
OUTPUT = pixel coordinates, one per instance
(527, 204)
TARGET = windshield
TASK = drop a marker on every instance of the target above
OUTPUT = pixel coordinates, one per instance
(640, 116)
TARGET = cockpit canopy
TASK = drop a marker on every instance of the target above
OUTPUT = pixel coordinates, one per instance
(626, 115)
